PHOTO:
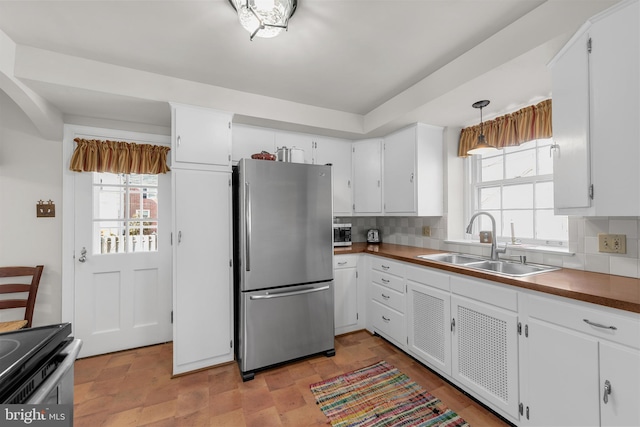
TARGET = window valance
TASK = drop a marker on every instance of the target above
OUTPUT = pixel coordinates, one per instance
(92, 155)
(526, 124)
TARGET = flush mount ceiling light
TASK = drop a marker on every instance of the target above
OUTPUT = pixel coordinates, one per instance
(264, 18)
(481, 145)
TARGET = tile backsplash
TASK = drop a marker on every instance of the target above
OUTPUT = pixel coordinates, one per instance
(583, 241)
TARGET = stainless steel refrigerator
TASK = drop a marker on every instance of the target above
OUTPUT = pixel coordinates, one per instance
(283, 267)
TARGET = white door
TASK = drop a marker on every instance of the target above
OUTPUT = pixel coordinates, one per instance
(620, 381)
(562, 376)
(122, 267)
(367, 177)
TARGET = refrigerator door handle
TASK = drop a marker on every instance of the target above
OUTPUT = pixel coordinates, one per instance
(288, 294)
(247, 219)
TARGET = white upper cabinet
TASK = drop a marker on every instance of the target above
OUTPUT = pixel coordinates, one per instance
(596, 105)
(201, 138)
(413, 171)
(571, 166)
(248, 140)
(301, 141)
(338, 153)
(367, 177)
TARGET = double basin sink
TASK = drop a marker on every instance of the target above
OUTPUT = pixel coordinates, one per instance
(506, 268)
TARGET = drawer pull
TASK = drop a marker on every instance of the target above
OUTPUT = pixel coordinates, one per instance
(606, 392)
(386, 319)
(598, 325)
(385, 296)
(342, 263)
(385, 280)
(385, 267)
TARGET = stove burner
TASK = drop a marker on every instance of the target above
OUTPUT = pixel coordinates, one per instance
(8, 346)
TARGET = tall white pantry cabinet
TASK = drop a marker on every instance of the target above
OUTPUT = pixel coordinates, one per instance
(201, 238)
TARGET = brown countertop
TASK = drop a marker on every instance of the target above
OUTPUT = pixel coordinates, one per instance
(604, 289)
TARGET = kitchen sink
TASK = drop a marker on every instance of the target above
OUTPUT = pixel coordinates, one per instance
(511, 268)
(507, 268)
(453, 258)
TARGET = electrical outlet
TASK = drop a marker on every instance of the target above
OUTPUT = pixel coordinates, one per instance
(426, 231)
(612, 243)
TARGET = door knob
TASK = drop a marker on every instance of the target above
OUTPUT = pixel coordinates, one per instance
(83, 255)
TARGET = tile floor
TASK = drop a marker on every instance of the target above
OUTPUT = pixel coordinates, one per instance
(135, 388)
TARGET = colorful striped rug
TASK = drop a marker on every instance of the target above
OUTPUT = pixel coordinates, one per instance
(380, 395)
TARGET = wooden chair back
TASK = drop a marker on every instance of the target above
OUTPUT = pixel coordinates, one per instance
(28, 302)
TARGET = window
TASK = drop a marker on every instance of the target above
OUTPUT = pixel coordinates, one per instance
(125, 213)
(515, 185)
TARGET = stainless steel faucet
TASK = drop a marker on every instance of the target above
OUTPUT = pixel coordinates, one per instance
(495, 250)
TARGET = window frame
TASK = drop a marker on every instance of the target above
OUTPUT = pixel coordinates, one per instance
(473, 185)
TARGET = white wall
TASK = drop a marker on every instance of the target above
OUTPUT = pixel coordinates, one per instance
(30, 170)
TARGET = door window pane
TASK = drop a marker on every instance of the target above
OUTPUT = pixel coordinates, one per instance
(125, 214)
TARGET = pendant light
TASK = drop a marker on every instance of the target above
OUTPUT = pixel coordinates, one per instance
(264, 18)
(481, 145)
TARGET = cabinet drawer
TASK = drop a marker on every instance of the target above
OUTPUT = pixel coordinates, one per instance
(345, 261)
(575, 316)
(427, 276)
(489, 293)
(394, 282)
(387, 266)
(388, 297)
(388, 321)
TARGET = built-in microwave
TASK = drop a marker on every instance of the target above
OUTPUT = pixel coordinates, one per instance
(341, 234)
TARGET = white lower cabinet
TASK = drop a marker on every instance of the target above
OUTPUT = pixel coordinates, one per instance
(484, 351)
(345, 275)
(429, 318)
(620, 371)
(536, 359)
(387, 303)
(577, 370)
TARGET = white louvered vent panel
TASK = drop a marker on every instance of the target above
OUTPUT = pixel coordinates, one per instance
(482, 351)
(428, 325)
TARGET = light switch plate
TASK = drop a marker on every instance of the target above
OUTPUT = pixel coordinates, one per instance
(612, 243)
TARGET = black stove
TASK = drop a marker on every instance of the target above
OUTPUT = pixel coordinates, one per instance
(28, 357)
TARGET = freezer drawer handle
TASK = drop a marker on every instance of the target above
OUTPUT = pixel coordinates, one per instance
(289, 294)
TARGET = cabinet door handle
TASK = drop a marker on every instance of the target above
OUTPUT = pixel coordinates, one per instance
(411, 179)
(179, 140)
(453, 324)
(606, 392)
(385, 296)
(386, 319)
(342, 263)
(599, 325)
(385, 267)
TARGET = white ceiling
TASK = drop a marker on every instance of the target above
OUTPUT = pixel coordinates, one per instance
(352, 68)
